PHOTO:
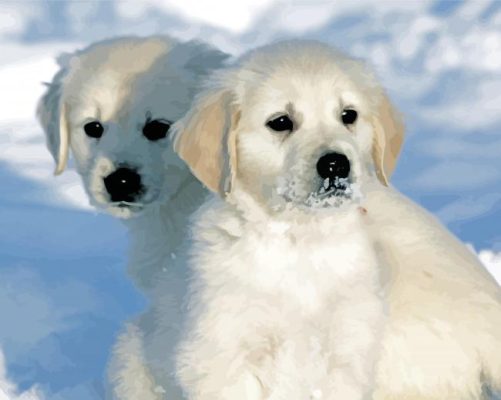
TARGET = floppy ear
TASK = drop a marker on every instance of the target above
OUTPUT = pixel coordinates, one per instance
(52, 116)
(388, 138)
(206, 140)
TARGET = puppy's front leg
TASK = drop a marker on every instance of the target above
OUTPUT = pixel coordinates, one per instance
(222, 375)
(355, 336)
(246, 387)
(129, 375)
(222, 358)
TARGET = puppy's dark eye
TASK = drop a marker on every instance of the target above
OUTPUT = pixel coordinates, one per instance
(156, 129)
(349, 116)
(94, 129)
(281, 124)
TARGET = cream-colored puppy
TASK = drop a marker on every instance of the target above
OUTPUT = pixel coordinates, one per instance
(111, 105)
(266, 258)
(287, 301)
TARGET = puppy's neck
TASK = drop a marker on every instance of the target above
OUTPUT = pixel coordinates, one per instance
(159, 235)
(253, 211)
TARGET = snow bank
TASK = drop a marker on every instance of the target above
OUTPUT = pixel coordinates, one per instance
(8, 390)
(492, 261)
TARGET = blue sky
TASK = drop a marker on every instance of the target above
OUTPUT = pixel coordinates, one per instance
(63, 290)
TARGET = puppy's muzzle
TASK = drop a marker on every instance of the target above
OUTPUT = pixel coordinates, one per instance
(334, 169)
(124, 185)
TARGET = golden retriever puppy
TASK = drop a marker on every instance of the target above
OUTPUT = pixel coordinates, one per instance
(275, 314)
(111, 105)
(287, 301)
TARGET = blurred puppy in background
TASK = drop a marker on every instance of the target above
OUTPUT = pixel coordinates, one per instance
(112, 105)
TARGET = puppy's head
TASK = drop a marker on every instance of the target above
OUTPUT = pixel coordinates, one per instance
(113, 104)
(294, 122)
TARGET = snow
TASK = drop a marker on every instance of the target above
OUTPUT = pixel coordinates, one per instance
(8, 390)
(63, 290)
(237, 16)
(492, 260)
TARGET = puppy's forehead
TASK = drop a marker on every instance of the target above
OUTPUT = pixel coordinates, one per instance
(126, 59)
(113, 83)
(297, 82)
(308, 75)
(305, 91)
(100, 77)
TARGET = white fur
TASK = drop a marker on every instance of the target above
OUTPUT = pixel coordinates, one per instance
(122, 82)
(286, 301)
(444, 333)
(443, 337)
(289, 303)
(443, 340)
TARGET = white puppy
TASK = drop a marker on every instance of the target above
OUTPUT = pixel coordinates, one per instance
(262, 267)
(112, 104)
(286, 300)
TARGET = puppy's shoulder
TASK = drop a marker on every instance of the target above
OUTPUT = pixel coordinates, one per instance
(420, 239)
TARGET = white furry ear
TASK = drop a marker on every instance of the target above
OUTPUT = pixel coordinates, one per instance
(388, 138)
(52, 116)
(206, 140)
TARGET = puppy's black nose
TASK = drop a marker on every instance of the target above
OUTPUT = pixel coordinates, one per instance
(333, 165)
(124, 184)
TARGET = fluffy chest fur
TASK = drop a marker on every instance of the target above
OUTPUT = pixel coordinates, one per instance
(279, 304)
(305, 260)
